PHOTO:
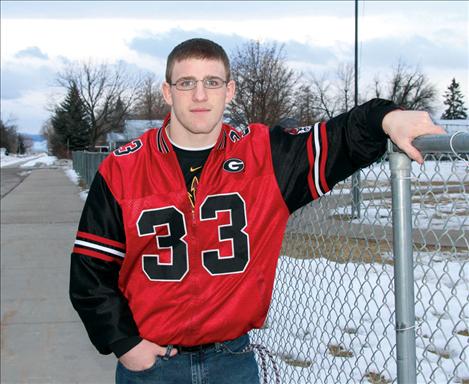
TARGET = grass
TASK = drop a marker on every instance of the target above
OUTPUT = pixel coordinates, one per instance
(338, 249)
(376, 378)
(339, 351)
(296, 362)
(342, 249)
(442, 353)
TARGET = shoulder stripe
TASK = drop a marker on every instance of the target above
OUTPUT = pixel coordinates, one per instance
(316, 146)
(222, 143)
(322, 169)
(102, 240)
(88, 252)
(96, 247)
(317, 160)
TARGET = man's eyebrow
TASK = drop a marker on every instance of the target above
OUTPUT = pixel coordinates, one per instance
(186, 78)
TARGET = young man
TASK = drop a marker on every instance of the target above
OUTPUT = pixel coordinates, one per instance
(178, 241)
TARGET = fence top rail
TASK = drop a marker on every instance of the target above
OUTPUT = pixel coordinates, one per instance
(455, 143)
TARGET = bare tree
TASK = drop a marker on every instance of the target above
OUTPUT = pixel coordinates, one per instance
(325, 98)
(377, 86)
(409, 88)
(150, 104)
(265, 84)
(345, 86)
(108, 94)
(304, 110)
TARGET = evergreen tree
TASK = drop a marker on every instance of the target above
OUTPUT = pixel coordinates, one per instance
(454, 101)
(70, 122)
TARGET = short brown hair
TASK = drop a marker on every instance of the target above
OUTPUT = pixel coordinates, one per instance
(197, 49)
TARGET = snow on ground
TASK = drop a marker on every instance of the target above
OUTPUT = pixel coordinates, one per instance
(72, 175)
(334, 322)
(42, 161)
(75, 179)
(377, 178)
(439, 199)
(15, 159)
(84, 195)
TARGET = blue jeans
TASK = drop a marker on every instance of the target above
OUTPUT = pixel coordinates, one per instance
(225, 363)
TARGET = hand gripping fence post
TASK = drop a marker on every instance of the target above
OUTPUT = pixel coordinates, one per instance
(400, 166)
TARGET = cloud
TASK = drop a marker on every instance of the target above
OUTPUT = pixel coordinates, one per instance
(17, 79)
(160, 45)
(414, 50)
(313, 54)
(34, 52)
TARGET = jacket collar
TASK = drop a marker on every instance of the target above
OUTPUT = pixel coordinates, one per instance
(164, 145)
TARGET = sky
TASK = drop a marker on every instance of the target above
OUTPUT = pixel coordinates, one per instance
(41, 38)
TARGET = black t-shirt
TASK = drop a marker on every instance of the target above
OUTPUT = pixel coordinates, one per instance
(191, 163)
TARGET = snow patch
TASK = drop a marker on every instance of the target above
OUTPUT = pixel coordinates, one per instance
(43, 161)
(338, 320)
(72, 175)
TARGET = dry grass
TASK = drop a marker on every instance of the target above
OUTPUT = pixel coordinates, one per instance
(82, 184)
(339, 351)
(442, 353)
(296, 362)
(343, 249)
(376, 378)
(339, 249)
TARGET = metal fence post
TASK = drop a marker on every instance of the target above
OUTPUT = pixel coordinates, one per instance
(400, 166)
(356, 195)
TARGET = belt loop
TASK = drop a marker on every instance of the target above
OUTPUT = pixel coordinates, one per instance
(218, 347)
(167, 355)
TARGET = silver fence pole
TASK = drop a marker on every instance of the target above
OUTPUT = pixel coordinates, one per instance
(400, 166)
(356, 194)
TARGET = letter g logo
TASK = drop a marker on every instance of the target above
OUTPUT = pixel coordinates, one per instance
(233, 165)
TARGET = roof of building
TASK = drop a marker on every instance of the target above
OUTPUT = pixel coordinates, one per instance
(133, 129)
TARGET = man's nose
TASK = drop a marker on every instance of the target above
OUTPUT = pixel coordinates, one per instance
(199, 93)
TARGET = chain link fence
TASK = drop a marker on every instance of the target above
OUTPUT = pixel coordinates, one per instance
(334, 307)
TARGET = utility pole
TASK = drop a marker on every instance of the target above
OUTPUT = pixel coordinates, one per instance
(356, 176)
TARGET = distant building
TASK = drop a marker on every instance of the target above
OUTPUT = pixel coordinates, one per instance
(452, 126)
(132, 130)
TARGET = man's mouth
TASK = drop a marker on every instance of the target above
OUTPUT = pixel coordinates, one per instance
(199, 110)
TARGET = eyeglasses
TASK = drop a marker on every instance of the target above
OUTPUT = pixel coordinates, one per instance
(189, 83)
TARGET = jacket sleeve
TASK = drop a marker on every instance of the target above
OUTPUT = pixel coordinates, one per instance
(309, 161)
(95, 263)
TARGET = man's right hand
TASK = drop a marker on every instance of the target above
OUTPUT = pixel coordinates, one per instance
(143, 355)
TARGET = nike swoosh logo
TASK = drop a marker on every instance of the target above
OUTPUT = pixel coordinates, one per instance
(195, 169)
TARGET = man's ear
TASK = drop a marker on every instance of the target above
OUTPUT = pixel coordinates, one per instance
(166, 90)
(230, 91)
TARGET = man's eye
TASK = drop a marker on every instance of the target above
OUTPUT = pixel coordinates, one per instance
(186, 83)
(213, 82)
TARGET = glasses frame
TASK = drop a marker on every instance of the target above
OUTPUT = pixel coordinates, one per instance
(175, 84)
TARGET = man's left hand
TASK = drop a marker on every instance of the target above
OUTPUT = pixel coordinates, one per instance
(403, 127)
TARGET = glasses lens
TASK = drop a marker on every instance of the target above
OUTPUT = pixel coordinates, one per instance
(186, 84)
(213, 82)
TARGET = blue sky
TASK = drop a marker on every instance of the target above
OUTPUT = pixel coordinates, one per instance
(38, 39)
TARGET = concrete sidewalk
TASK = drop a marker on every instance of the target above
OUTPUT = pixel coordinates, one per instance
(42, 338)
